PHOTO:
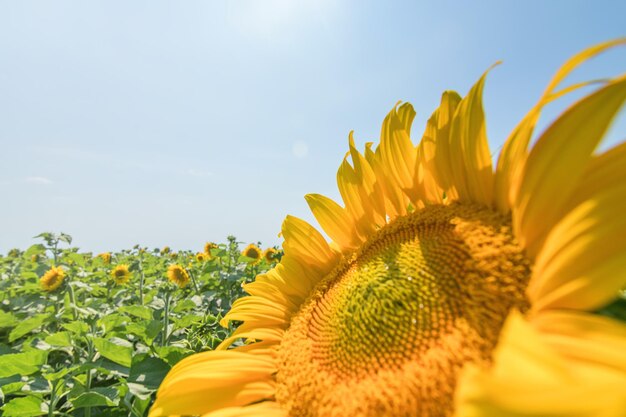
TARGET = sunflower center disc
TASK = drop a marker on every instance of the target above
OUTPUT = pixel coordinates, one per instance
(387, 332)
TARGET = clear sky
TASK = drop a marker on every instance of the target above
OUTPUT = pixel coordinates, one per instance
(178, 122)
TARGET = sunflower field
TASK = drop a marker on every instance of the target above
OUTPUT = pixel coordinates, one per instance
(86, 335)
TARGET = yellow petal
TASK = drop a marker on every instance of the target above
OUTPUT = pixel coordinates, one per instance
(514, 151)
(396, 202)
(583, 262)
(263, 409)
(604, 171)
(259, 334)
(426, 169)
(258, 310)
(208, 381)
(531, 378)
(556, 163)
(371, 192)
(272, 292)
(335, 221)
(396, 150)
(469, 149)
(406, 114)
(350, 187)
(305, 244)
(595, 339)
(443, 158)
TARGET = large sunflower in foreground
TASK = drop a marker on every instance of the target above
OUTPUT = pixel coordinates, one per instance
(448, 288)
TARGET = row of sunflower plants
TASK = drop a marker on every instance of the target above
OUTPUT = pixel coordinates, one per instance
(84, 335)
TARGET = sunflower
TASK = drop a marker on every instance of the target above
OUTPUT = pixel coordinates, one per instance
(178, 275)
(253, 252)
(449, 288)
(208, 246)
(202, 257)
(121, 274)
(165, 250)
(269, 255)
(106, 257)
(52, 279)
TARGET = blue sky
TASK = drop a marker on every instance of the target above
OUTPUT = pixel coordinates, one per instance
(174, 123)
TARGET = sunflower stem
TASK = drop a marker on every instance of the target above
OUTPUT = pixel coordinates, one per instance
(72, 300)
(166, 318)
(87, 389)
(141, 279)
(193, 279)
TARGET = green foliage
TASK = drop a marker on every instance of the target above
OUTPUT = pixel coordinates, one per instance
(92, 347)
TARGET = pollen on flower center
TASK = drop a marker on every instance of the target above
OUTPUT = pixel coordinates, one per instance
(387, 332)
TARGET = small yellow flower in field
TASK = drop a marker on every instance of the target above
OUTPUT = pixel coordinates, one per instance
(252, 251)
(208, 246)
(178, 275)
(202, 257)
(270, 255)
(165, 250)
(106, 257)
(52, 279)
(121, 274)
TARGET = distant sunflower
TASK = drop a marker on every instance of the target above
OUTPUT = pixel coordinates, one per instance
(253, 252)
(202, 257)
(52, 279)
(121, 275)
(208, 246)
(450, 288)
(165, 250)
(178, 275)
(269, 255)
(106, 257)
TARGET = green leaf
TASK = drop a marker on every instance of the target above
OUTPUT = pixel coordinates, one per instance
(27, 326)
(121, 355)
(146, 330)
(59, 339)
(173, 354)
(53, 376)
(10, 380)
(148, 372)
(111, 321)
(7, 320)
(184, 305)
(139, 390)
(77, 258)
(140, 405)
(64, 237)
(24, 363)
(35, 250)
(97, 397)
(24, 407)
(76, 327)
(187, 321)
(141, 312)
